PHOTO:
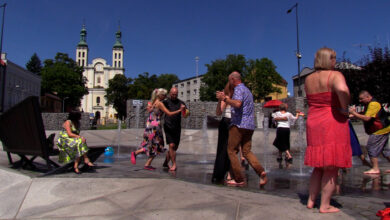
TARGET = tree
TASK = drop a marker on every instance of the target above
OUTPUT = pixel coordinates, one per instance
(217, 74)
(166, 80)
(117, 94)
(262, 77)
(259, 75)
(62, 76)
(34, 65)
(373, 77)
(143, 85)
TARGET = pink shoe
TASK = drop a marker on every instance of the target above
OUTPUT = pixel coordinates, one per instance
(149, 168)
(133, 160)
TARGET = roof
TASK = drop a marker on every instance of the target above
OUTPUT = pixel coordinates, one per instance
(304, 72)
(194, 77)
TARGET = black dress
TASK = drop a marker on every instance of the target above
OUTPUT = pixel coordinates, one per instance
(222, 162)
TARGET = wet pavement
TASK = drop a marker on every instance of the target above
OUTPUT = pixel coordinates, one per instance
(358, 195)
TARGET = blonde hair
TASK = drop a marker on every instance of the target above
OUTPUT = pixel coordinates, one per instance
(323, 59)
(228, 90)
(158, 92)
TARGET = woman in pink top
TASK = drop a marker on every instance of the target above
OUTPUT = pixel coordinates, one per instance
(328, 141)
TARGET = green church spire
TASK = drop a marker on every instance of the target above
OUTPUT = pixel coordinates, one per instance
(118, 43)
(83, 37)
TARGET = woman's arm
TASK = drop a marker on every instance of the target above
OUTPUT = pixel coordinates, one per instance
(68, 129)
(220, 107)
(341, 89)
(162, 107)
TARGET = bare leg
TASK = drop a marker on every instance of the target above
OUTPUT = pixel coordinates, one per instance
(87, 161)
(76, 165)
(364, 161)
(328, 185)
(141, 150)
(375, 166)
(172, 155)
(167, 159)
(314, 187)
(149, 161)
(288, 154)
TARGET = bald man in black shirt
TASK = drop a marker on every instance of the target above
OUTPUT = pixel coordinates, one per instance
(172, 128)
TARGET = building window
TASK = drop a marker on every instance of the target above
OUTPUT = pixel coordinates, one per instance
(195, 81)
(97, 100)
(82, 64)
(119, 63)
(79, 54)
(188, 83)
(115, 64)
(194, 91)
(79, 62)
(98, 80)
(181, 94)
(119, 56)
(188, 92)
(83, 54)
(115, 55)
(182, 85)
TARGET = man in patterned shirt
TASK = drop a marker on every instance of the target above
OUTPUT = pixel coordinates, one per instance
(241, 130)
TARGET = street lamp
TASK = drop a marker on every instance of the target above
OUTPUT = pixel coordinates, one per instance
(63, 104)
(3, 68)
(197, 70)
(298, 54)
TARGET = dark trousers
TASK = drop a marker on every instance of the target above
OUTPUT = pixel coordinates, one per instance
(222, 162)
(243, 137)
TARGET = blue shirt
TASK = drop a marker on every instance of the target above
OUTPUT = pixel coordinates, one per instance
(243, 117)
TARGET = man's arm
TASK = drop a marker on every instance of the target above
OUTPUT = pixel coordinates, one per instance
(372, 109)
(232, 102)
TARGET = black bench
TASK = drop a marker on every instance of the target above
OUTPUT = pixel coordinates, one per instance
(22, 132)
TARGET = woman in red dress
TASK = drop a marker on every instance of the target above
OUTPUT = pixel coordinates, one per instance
(328, 141)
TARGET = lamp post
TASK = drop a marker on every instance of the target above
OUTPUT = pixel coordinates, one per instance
(196, 62)
(298, 54)
(3, 72)
(63, 104)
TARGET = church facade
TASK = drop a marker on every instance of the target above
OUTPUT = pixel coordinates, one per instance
(98, 73)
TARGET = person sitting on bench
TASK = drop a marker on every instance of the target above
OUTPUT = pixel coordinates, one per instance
(71, 145)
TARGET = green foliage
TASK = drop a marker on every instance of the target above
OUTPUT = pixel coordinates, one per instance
(117, 93)
(258, 75)
(166, 81)
(262, 75)
(374, 76)
(143, 85)
(34, 65)
(62, 76)
(217, 75)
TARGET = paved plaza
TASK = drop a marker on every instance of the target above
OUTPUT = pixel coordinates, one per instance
(116, 189)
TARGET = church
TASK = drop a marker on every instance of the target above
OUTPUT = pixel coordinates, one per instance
(97, 73)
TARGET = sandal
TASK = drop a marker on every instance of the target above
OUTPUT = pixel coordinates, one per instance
(149, 168)
(76, 170)
(133, 160)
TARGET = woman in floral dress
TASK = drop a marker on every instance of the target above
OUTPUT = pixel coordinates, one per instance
(153, 142)
(71, 145)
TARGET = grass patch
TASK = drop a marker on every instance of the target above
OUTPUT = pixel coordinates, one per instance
(110, 126)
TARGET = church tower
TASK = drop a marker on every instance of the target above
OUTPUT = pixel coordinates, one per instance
(82, 49)
(117, 51)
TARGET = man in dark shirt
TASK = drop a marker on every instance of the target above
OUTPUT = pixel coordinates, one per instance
(172, 128)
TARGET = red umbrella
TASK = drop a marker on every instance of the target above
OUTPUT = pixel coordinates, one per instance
(272, 104)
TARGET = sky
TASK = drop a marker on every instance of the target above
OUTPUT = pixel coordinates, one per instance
(165, 36)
